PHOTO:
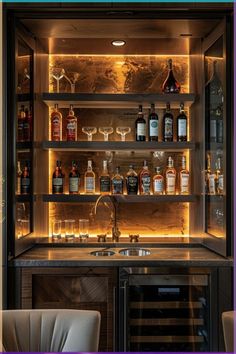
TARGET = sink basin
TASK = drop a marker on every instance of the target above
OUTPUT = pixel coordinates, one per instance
(102, 253)
(134, 252)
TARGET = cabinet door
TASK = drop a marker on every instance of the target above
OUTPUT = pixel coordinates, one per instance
(218, 138)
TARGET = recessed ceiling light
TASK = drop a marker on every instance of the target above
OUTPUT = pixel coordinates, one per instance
(118, 43)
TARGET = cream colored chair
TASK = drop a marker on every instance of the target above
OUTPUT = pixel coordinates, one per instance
(51, 330)
(228, 330)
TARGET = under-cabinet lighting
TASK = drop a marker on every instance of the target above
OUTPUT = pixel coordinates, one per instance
(118, 43)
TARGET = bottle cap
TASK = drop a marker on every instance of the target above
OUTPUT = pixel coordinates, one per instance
(158, 169)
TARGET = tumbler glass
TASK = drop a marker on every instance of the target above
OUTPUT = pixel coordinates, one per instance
(69, 228)
(83, 229)
(56, 229)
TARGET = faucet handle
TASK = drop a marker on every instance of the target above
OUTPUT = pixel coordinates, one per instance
(133, 238)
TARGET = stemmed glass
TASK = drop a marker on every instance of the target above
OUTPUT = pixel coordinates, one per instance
(89, 131)
(123, 131)
(75, 78)
(106, 131)
(58, 74)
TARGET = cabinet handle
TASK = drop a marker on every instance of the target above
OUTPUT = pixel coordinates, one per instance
(125, 315)
(114, 318)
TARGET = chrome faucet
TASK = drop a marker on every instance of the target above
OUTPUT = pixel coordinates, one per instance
(115, 230)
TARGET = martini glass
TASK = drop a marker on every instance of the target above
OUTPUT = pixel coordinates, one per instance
(58, 74)
(89, 131)
(123, 131)
(106, 131)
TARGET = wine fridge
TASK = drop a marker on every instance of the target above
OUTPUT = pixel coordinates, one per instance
(163, 311)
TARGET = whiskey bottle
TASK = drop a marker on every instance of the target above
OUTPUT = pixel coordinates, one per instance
(144, 180)
(20, 124)
(170, 84)
(89, 179)
(105, 180)
(213, 126)
(74, 179)
(170, 175)
(182, 124)
(168, 124)
(18, 183)
(57, 179)
(25, 179)
(184, 178)
(153, 124)
(132, 181)
(117, 182)
(56, 124)
(219, 177)
(27, 126)
(158, 182)
(71, 125)
(140, 126)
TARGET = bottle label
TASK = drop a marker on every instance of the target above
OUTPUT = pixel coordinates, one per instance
(158, 185)
(211, 181)
(90, 184)
(105, 184)
(182, 127)
(117, 186)
(221, 183)
(132, 184)
(56, 127)
(141, 129)
(170, 183)
(145, 184)
(153, 127)
(71, 130)
(213, 129)
(25, 185)
(18, 185)
(74, 184)
(184, 185)
(57, 185)
(168, 128)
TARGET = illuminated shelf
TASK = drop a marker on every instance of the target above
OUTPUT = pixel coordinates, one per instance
(112, 100)
(117, 145)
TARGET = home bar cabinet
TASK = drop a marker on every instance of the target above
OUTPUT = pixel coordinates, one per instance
(61, 63)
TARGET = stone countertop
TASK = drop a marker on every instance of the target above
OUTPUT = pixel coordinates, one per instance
(74, 257)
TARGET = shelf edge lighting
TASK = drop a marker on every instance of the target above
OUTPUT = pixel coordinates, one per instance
(118, 43)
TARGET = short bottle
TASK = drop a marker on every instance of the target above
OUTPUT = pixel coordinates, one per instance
(117, 182)
(58, 179)
(144, 180)
(25, 179)
(74, 179)
(105, 180)
(132, 181)
(184, 180)
(20, 124)
(158, 182)
(18, 183)
(140, 126)
(153, 124)
(89, 179)
(71, 125)
(182, 124)
(27, 124)
(56, 124)
(168, 124)
(170, 85)
(170, 175)
(219, 177)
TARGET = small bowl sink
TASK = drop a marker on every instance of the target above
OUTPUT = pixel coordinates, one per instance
(134, 252)
(102, 253)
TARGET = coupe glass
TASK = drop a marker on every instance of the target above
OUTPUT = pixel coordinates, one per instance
(106, 131)
(89, 131)
(123, 131)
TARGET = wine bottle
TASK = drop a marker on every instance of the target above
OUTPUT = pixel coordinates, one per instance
(170, 84)
(74, 179)
(168, 124)
(153, 124)
(181, 124)
(140, 126)
(57, 179)
(25, 179)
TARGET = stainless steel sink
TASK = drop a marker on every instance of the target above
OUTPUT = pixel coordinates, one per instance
(102, 253)
(134, 252)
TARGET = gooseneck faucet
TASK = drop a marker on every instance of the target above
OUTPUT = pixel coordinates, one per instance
(115, 230)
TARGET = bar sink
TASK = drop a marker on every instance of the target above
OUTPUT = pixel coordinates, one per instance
(102, 253)
(134, 252)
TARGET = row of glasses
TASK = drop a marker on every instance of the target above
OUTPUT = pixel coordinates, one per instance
(70, 229)
(59, 73)
(106, 131)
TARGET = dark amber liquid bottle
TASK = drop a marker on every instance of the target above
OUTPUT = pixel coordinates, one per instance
(170, 84)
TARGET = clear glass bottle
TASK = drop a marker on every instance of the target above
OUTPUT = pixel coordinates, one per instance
(71, 125)
(117, 182)
(132, 181)
(58, 179)
(56, 124)
(170, 85)
(158, 182)
(89, 179)
(140, 125)
(184, 178)
(25, 179)
(145, 180)
(153, 125)
(105, 180)
(170, 175)
(74, 179)
(181, 124)
(168, 122)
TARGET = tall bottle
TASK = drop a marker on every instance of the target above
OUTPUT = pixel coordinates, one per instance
(56, 124)
(25, 179)
(89, 179)
(184, 180)
(132, 181)
(144, 179)
(58, 179)
(220, 127)
(71, 125)
(18, 183)
(158, 182)
(153, 124)
(74, 179)
(207, 173)
(211, 178)
(181, 124)
(219, 177)
(140, 126)
(105, 180)
(28, 124)
(20, 124)
(170, 85)
(213, 126)
(117, 182)
(168, 124)
(170, 175)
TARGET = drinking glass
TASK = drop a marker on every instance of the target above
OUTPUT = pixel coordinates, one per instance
(83, 229)
(123, 131)
(69, 228)
(89, 131)
(58, 74)
(106, 131)
(56, 229)
(72, 78)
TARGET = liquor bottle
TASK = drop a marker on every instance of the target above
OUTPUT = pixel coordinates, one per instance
(74, 179)
(89, 179)
(19, 173)
(168, 124)
(27, 126)
(144, 180)
(57, 179)
(56, 124)
(132, 181)
(211, 178)
(219, 121)
(20, 124)
(170, 175)
(158, 182)
(153, 124)
(170, 84)
(105, 180)
(117, 182)
(207, 173)
(71, 125)
(140, 126)
(184, 178)
(181, 124)
(213, 126)
(25, 179)
(219, 177)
